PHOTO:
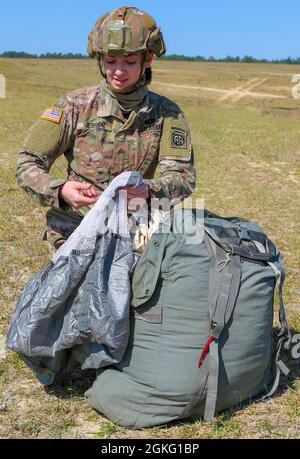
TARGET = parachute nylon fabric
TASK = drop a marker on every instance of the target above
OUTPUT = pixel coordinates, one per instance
(75, 311)
(218, 291)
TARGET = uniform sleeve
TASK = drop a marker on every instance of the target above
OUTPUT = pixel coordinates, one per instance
(175, 171)
(48, 138)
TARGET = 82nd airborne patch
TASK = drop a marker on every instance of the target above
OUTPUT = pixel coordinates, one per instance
(178, 138)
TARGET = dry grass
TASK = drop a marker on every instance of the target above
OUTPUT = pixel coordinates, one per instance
(248, 164)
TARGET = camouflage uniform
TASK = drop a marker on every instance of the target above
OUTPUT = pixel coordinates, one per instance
(89, 128)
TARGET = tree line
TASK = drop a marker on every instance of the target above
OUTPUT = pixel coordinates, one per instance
(171, 57)
(22, 54)
(245, 59)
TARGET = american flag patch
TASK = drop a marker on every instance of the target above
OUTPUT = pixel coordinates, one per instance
(52, 114)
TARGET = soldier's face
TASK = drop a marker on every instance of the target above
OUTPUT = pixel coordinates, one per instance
(123, 71)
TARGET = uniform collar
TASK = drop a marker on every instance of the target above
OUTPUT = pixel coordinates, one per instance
(108, 106)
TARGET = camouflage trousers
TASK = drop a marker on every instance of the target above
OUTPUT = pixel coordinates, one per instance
(60, 226)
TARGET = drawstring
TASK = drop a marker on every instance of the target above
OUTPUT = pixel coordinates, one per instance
(224, 262)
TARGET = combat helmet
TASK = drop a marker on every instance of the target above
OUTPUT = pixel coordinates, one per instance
(126, 30)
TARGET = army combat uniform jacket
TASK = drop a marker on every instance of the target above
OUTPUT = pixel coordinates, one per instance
(89, 129)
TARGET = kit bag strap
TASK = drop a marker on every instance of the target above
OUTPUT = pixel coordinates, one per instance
(284, 337)
(224, 282)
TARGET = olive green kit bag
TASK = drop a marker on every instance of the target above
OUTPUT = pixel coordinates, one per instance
(201, 336)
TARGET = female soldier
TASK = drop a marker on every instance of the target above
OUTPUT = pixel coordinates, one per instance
(108, 129)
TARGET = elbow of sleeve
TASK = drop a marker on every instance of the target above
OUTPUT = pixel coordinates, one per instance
(19, 176)
(188, 184)
(192, 183)
(41, 200)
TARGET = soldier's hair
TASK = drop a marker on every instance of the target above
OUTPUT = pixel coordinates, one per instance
(148, 73)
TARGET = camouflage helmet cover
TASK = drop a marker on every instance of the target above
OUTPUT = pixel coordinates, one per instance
(126, 30)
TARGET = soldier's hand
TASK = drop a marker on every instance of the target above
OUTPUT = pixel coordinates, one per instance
(79, 194)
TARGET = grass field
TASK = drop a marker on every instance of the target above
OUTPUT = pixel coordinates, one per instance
(245, 128)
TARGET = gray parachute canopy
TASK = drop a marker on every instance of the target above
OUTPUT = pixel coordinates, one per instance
(75, 311)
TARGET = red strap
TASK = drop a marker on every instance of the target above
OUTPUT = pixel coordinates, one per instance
(205, 350)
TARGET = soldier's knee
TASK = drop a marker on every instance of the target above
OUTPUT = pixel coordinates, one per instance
(59, 228)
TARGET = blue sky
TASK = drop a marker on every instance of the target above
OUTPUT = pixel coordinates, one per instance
(216, 28)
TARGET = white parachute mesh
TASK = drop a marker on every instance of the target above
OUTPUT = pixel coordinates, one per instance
(108, 214)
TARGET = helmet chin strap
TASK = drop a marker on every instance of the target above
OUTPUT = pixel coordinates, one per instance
(101, 65)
